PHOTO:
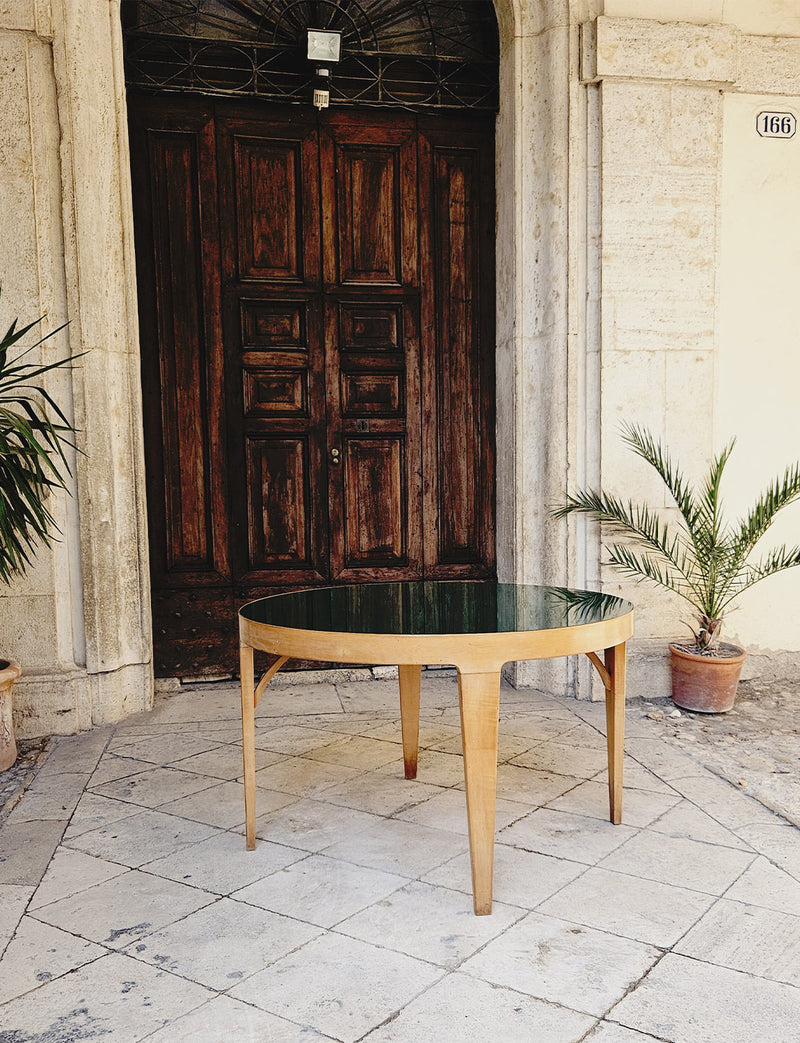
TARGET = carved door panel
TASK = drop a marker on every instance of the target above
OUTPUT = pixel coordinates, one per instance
(371, 275)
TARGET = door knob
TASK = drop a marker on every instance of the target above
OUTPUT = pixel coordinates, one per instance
(334, 456)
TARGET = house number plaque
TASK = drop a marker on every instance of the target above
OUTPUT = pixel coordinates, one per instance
(776, 124)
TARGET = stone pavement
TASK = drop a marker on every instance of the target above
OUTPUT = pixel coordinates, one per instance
(130, 909)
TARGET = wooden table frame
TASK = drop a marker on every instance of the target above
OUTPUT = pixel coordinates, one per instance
(479, 659)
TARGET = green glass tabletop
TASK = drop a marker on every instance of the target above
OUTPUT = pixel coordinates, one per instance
(435, 607)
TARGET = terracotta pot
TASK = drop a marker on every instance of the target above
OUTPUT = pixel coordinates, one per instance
(706, 684)
(9, 672)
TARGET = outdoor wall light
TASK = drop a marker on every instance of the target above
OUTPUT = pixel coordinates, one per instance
(323, 46)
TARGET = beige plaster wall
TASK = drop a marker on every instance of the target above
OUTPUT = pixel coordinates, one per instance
(758, 372)
(683, 184)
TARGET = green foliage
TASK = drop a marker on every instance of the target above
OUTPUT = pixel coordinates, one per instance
(701, 556)
(34, 433)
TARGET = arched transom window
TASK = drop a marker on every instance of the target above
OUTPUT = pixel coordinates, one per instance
(425, 54)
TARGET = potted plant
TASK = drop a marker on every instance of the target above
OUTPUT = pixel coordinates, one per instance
(34, 433)
(699, 556)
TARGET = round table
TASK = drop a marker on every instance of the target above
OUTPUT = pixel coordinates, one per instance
(476, 626)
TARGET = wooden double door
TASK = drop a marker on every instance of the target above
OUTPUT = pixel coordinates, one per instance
(317, 329)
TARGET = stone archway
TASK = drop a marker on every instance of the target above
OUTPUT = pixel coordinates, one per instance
(537, 377)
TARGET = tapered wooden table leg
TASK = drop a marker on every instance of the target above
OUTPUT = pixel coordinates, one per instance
(409, 716)
(479, 697)
(248, 741)
(615, 728)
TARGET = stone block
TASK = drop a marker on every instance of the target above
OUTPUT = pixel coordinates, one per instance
(637, 48)
(767, 65)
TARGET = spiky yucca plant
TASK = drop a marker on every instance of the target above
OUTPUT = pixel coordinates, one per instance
(34, 434)
(701, 556)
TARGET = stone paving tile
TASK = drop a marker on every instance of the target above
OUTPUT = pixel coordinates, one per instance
(220, 804)
(747, 938)
(725, 803)
(26, 849)
(39, 953)
(222, 864)
(430, 923)
(312, 825)
(521, 878)
(356, 751)
(144, 837)
(687, 820)
(607, 1032)
(668, 763)
(765, 885)
(13, 900)
(50, 797)
(127, 907)
(224, 1018)
(576, 837)
(675, 860)
(338, 985)
(319, 890)
(155, 786)
(112, 767)
(530, 786)
(313, 699)
(162, 749)
(639, 808)
(575, 966)
(684, 999)
(294, 740)
(508, 746)
(304, 778)
(76, 753)
(246, 940)
(644, 910)
(461, 1009)
(778, 841)
(114, 997)
(636, 776)
(563, 759)
(95, 811)
(70, 872)
(224, 762)
(399, 847)
(381, 793)
(434, 768)
(448, 810)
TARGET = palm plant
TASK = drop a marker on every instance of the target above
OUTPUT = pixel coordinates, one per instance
(34, 434)
(701, 557)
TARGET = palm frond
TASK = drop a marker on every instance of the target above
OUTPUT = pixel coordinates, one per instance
(644, 445)
(641, 524)
(781, 492)
(641, 565)
(34, 436)
(777, 560)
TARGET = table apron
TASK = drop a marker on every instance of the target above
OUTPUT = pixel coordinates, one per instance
(470, 653)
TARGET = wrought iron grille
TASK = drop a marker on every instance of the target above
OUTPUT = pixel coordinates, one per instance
(419, 54)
